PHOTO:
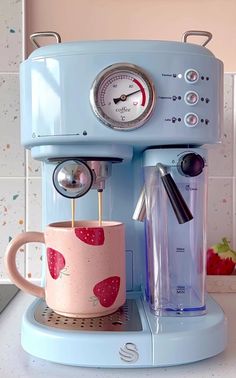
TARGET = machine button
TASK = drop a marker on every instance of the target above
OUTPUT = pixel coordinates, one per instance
(191, 98)
(191, 165)
(191, 76)
(191, 119)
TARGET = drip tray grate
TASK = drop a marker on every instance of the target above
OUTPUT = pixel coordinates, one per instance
(125, 319)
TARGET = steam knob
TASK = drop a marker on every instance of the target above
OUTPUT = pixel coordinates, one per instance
(191, 165)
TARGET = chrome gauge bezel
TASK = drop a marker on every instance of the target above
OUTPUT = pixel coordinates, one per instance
(102, 116)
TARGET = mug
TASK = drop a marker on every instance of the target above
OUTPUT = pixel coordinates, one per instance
(84, 264)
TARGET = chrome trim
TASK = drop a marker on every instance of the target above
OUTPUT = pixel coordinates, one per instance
(201, 33)
(116, 125)
(44, 34)
(125, 319)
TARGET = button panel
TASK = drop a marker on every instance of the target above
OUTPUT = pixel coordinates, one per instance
(195, 93)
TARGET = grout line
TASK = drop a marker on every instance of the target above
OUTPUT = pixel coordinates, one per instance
(234, 165)
(9, 73)
(8, 281)
(234, 119)
(12, 178)
(20, 177)
(26, 207)
(220, 177)
(23, 29)
(5, 281)
(234, 215)
(25, 155)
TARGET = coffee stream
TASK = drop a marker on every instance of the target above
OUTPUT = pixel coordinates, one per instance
(73, 212)
(99, 210)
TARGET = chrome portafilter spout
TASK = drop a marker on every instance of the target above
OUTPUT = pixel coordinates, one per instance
(73, 178)
(181, 210)
(101, 172)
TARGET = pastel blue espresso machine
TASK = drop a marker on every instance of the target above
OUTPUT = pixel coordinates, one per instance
(136, 115)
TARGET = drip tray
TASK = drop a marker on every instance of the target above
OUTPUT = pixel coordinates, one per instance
(125, 319)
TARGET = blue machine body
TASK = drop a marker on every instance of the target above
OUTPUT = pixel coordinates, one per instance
(58, 123)
(55, 89)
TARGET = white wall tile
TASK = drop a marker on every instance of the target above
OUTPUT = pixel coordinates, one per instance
(221, 156)
(11, 152)
(33, 223)
(220, 210)
(33, 166)
(12, 217)
(10, 35)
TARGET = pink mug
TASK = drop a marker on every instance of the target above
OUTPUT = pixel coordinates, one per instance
(85, 267)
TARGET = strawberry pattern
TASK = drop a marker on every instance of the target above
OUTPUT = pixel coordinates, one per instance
(106, 291)
(91, 236)
(56, 263)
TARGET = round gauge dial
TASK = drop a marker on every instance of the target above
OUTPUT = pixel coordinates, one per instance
(122, 96)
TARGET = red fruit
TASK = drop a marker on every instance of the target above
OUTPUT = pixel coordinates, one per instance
(91, 236)
(56, 262)
(107, 290)
(221, 259)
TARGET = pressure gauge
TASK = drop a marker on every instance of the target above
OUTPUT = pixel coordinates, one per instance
(122, 96)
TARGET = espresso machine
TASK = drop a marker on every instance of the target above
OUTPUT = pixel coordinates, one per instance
(134, 116)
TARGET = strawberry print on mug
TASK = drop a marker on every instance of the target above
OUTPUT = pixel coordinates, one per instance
(106, 291)
(91, 236)
(56, 263)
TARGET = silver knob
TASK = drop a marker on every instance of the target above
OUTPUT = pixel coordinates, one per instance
(191, 119)
(72, 178)
(191, 76)
(191, 98)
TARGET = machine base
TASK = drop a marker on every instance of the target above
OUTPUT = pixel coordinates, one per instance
(132, 337)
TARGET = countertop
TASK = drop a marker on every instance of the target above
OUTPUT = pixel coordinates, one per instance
(16, 363)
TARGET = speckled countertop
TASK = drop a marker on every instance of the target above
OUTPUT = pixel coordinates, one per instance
(15, 363)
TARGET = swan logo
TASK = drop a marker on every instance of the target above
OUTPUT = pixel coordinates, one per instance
(129, 353)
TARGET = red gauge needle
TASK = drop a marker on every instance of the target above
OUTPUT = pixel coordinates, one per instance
(123, 97)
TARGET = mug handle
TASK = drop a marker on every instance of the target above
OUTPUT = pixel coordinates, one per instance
(10, 262)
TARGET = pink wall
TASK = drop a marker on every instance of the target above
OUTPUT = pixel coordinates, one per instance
(137, 19)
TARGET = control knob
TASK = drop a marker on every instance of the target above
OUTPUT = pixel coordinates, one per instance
(191, 98)
(191, 164)
(191, 76)
(191, 119)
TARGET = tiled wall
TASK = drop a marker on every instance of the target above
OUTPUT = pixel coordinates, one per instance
(222, 174)
(20, 182)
